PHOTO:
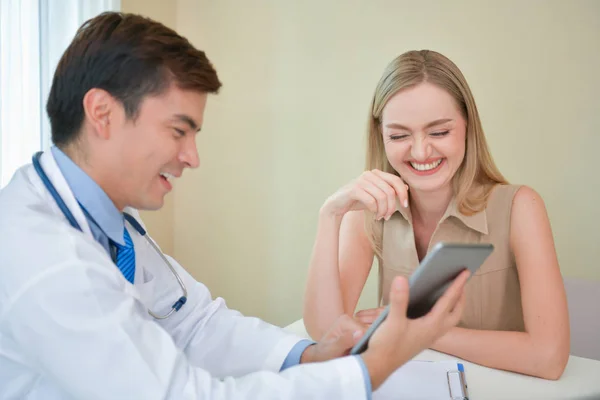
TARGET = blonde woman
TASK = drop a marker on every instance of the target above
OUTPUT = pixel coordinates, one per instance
(430, 178)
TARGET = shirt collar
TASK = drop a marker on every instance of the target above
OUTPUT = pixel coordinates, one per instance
(91, 197)
(477, 222)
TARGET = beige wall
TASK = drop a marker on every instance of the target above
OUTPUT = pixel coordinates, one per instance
(288, 126)
(159, 223)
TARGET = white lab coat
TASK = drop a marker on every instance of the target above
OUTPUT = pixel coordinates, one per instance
(72, 327)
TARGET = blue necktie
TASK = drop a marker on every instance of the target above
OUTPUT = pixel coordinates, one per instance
(126, 257)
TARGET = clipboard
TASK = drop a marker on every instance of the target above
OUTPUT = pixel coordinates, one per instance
(457, 383)
(425, 380)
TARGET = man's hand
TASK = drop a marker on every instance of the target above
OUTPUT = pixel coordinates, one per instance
(337, 342)
(399, 339)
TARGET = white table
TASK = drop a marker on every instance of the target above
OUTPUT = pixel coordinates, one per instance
(581, 379)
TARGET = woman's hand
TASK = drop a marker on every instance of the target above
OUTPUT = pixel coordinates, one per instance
(377, 191)
(337, 342)
(368, 316)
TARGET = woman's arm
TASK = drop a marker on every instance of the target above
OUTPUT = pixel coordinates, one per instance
(342, 255)
(543, 349)
(339, 267)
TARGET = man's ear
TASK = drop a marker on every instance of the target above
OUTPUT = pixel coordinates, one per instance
(98, 106)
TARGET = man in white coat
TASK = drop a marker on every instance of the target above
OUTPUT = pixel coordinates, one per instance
(84, 295)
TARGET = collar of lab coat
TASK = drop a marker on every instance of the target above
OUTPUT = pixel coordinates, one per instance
(51, 169)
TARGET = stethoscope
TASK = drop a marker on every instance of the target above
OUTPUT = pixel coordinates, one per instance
(132, 221)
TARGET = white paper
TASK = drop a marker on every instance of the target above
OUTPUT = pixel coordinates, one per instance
(419, 380)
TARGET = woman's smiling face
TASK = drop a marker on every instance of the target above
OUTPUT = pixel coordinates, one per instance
(424, 135)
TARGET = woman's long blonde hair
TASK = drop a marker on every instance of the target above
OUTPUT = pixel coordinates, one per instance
(477, 175)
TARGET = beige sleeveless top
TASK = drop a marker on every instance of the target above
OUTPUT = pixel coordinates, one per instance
(493, 293)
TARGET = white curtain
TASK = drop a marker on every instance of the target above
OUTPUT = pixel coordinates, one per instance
(20, 84)
(33, 36)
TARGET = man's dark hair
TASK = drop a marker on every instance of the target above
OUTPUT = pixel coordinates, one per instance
(130, 57)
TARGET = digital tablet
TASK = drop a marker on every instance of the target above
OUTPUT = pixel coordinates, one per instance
(430, 280)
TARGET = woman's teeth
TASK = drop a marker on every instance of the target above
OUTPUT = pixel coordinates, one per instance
(426, 167)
